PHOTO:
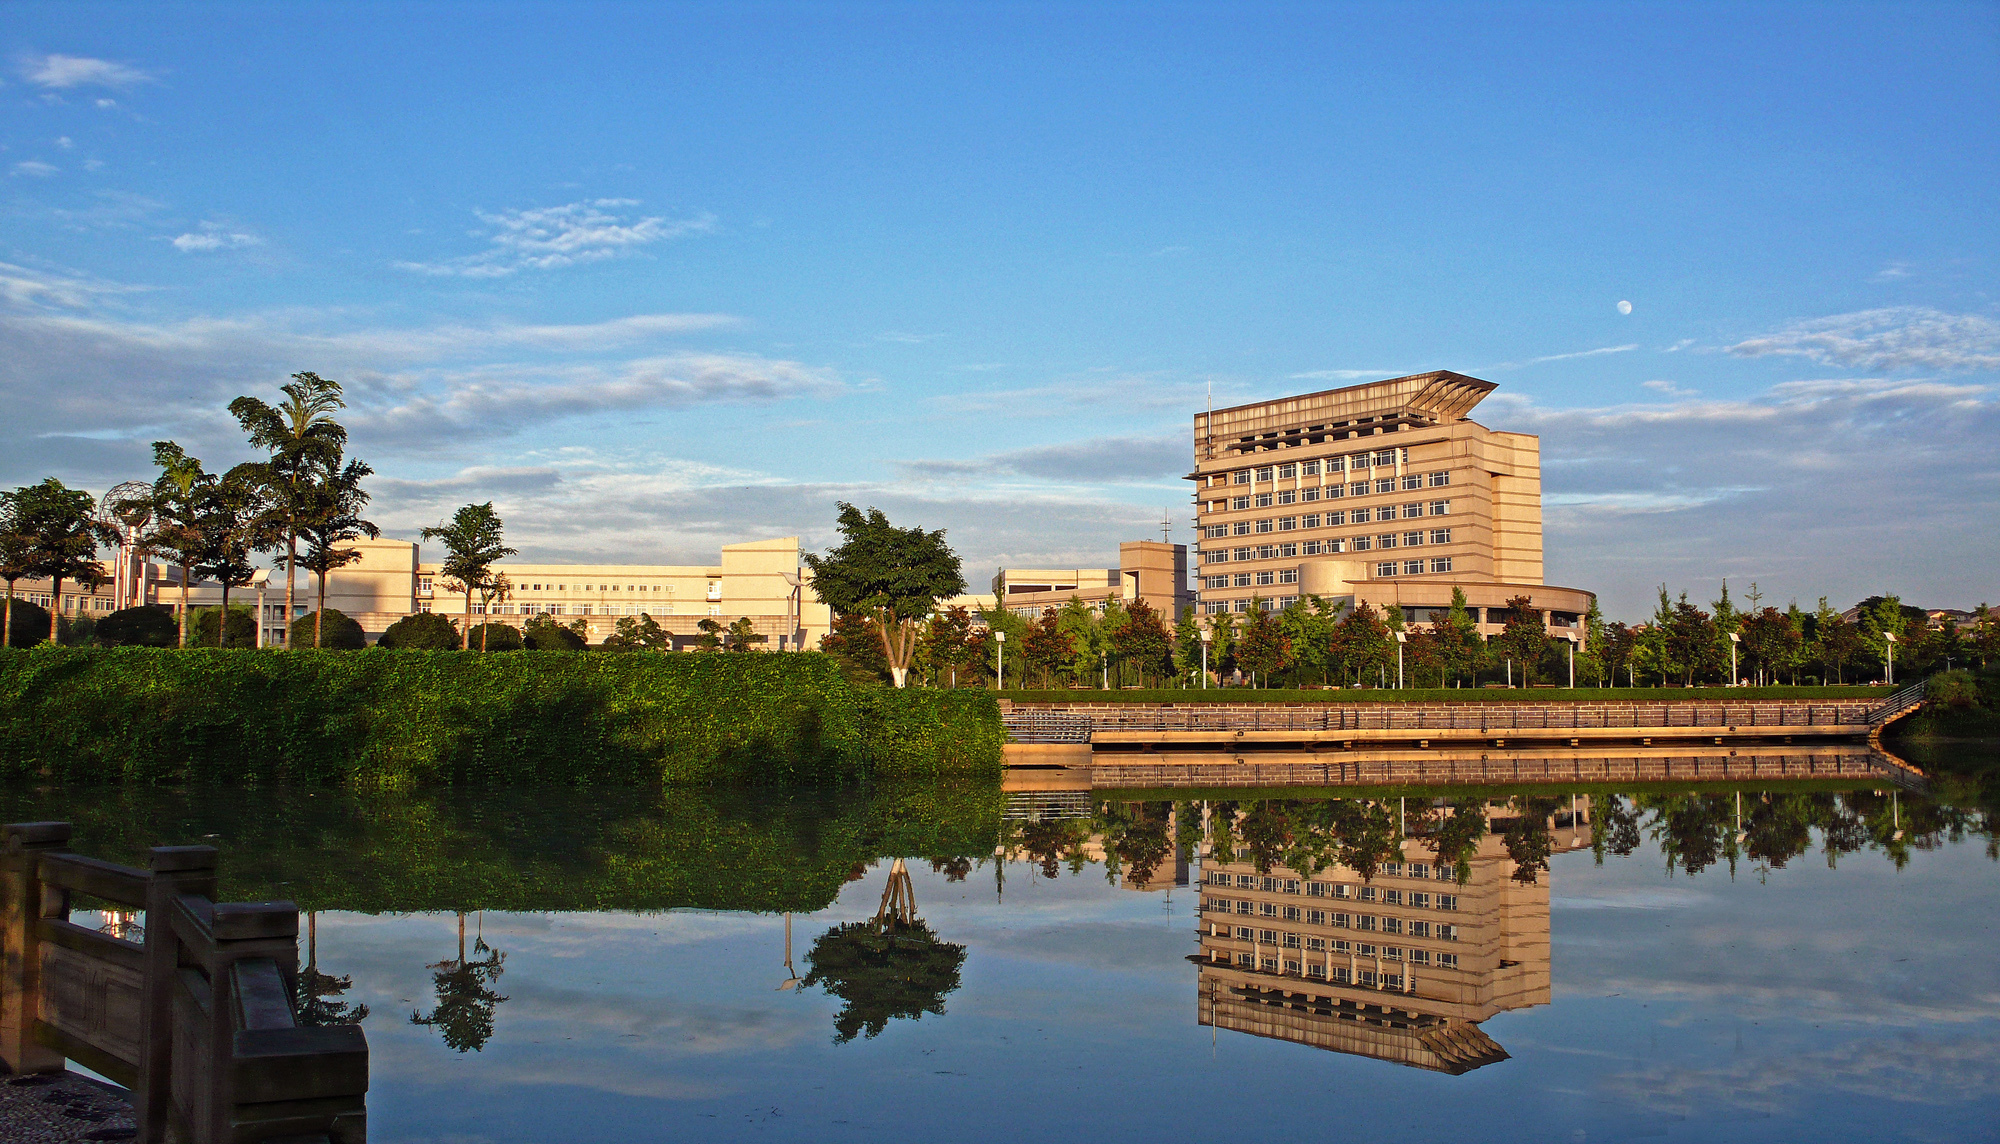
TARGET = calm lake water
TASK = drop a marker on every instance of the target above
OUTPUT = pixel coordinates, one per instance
(612, 965)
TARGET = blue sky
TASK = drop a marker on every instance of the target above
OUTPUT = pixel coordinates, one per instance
(656, 278)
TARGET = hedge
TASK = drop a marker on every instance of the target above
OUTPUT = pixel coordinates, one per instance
(1452, 695)
(390, 719)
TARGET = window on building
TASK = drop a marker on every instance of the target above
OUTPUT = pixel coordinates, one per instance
(1263, 474)
(423, 585)
(1386, 540)
(1287, 523)
(1240, 528)
(1385, 457)
(1313, 547)
(1244, 960)
(1386, 485)
(1336, 545)
(1238, 504)
(1440, 536)
(1366, 923)
(1440, 563)
(1288, 496)
(1267, 552)
(1288, 576)
(1308, 495)
(1413, 567)
(1439, 480)
(1214, 531)
(1440, 508)
(1287, 472)
(1341, 921)
(1418, 898)
(1262, 500)
(1332, 519)
(1242, 580)
(583, 609)
(1239, 605)
(1447, 901)
(1241, 553)
(1240, 478)
(1386, 568)
(423, 605)
(1335, 492)
(1287, 551)
(1291, 913)
(1215, 581)
(1357, 516)
(1412, 539)
(1420, 929)
(1309, 468)
(1447, 933)
(1361, 544)
(1358, 489)
(715, 609)
(1413, 480)
(1266, 578)
(1214, 607)
(1335, 464)
(1413, 510)
(1264, 525)
(1309, 520)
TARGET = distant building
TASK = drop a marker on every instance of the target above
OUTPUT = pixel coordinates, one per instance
(1148, 570)
(1383, 494)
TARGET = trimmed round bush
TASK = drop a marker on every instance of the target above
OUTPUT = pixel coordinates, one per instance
(30, 624)
(240, 631)
(148, 625)
(498, 637)
(421, 631)
(337, 632)
(550, 636)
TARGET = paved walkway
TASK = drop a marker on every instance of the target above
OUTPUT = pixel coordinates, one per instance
(61, 1108)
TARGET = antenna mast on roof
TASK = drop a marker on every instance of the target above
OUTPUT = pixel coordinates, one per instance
(1166, 523)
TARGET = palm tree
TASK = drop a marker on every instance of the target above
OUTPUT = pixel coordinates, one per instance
(178, 508)
(472, 546)
(333, 520)
(61, 536)
(298, 434)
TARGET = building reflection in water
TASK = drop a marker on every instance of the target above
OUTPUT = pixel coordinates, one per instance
(1403, 966)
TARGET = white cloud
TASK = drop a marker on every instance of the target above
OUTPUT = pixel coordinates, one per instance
(107, 103)
(57, 71)
(1897, 338)
(547, 238)
(1892, 272)
(214, 236)
(1584, 354)
(63, 141)
(35, 168)
(1669, 388)
(1114, 460)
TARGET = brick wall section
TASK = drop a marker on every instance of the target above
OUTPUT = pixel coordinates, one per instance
(1448, 716)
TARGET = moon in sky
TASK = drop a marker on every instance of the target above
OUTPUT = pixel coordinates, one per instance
(1624, 307)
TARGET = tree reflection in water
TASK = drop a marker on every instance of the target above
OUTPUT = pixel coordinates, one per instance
(318, 993)
(465, 1000)
(888, 967)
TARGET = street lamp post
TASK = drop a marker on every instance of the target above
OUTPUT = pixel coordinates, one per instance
(1892, 657)
(1401, 639)
(1571, 637)
(1207, 636)
(1734, 639)
(1001, 639)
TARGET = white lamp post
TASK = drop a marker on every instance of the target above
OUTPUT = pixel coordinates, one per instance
(1571, 637)
(1401, 639)
(1734, 639)
(1207, 636)
(1001, 638)
(1892, 657)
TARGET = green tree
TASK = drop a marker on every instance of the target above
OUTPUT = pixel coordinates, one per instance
(302, 440)
(1835, 641)
(951, 649)
(422, 631)
(1769, 641)
(210, 628)
(1263, 649)
(327, 628)
(1361, 645)
(743, 635)
(178, 504)
(62, 537)
(1048, 650)
(1881, 617)
(1590, 658)
(147, 625)
(543, 633)
(497, 637)
(333, 526)
(1308, 628)
(1079, 626)
(711, 630)
(1187, 644)
(894, 575)
(1142, 641)
(235, 522)
(1985, 633)
(882, 972)
(466, 999)
(472, 542)
(15, 551)
(1524, 638)
(1621, 645)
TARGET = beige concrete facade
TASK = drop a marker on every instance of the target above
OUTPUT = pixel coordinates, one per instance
(1149, 570)
(761, 579)
(1402, 967)
(1384, 493)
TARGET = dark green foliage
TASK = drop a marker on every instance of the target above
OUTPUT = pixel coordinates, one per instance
(881, 973)
(405, 718)
(1441, 695)
(30, 623)
(544, 634)
(496, 637)
(239, 632)
(337, 632)
(421, 631)
(148, 625)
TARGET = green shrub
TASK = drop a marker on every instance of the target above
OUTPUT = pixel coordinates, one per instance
(421, 631)
(497, 637)
(544, 634)
(396, 719)
(337, 632)
(148, 625)
(29, 623)
(240, 631)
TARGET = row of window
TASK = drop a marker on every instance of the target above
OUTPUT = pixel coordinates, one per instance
(665, 608)
(1340, 975)
(425, 587)
(1418, 567)
(1273, 885)
(1335, 519)
(1377, 487)
(1356, 949)
(1415, 899)
(1413, 567)
(1355, 462)
(1330, 547)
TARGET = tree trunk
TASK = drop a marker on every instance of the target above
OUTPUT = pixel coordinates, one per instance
(184, 605)
(7, 623)
(319, 614)
(55, 605)
(222, 621)
(291, 560)
(465, 640)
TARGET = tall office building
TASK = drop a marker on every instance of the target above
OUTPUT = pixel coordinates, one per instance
(1385, 493)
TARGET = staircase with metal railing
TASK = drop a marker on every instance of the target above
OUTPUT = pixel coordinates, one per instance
(1898, 705)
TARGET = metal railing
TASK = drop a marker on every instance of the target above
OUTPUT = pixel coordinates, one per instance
(1047, 727)
(1069, 726)
(1899, 704)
